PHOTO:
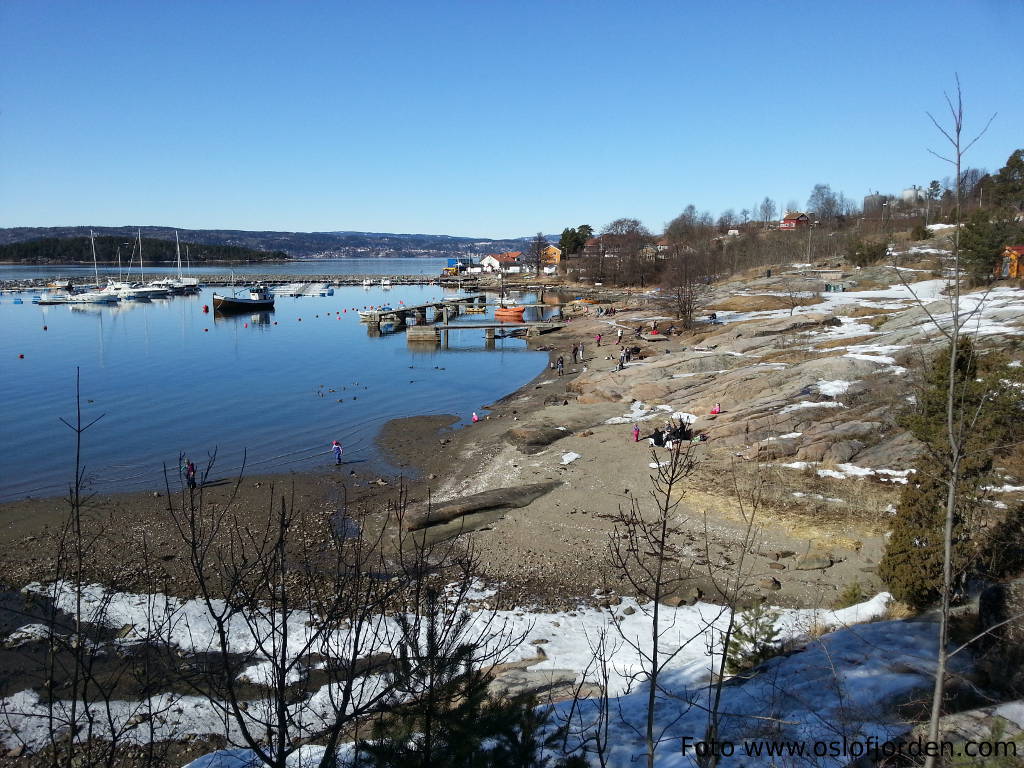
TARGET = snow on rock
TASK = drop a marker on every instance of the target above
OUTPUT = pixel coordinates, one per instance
(844, 471)
(810, 404)
(833, 388)
(638, 411)
(570, 457)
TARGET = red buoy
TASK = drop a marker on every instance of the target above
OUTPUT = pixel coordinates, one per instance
(206, 307)
(246, 325)
(21, 357)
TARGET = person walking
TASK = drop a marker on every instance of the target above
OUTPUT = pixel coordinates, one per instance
(190, 474)
(618, 336)
(575, 352)
(597, 338)
(337, 450)
(636, 433)
(560, 365)
(581, 352)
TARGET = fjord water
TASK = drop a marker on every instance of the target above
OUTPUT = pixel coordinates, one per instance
(381, 266)
(275, 388)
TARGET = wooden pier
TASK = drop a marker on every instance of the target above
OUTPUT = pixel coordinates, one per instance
(438, 334)
(442, 311)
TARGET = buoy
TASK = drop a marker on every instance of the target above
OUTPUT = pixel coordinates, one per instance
(206, 330)
(21, 357)
(246, 325)
(300, 319)
(275, 322)
(44, 327)
(206, 307)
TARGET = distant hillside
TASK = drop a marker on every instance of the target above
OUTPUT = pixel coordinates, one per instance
(65, 250)
(292, 244)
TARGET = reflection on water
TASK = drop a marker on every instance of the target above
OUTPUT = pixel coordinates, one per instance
(169, 379)
(246, 318)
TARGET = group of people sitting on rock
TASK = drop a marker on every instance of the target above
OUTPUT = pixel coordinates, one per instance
(673, 434)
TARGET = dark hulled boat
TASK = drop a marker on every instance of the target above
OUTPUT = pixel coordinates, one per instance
(260, 298)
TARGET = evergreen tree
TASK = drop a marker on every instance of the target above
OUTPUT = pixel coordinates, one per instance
(982, 240)
(1008, 184)
(990, 418)
(754, 640)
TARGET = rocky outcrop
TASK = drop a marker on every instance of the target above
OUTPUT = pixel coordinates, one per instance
(534, 439)
(423, 515)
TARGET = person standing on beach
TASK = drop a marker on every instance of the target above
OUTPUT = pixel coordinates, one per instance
(618, 336)
(636, 433)
(475, 417)
(190, 474)
(560, 365)
(337, 450)
(597, 338)
(581, 352)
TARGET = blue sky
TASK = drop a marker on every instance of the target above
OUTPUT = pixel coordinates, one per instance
(481, 118)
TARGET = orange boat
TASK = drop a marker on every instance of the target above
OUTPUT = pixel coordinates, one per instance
(508, 313)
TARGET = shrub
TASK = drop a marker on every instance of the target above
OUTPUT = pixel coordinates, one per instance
(920, 232)
(852, 594)
(864, 253)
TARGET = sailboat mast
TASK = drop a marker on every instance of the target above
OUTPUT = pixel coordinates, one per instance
(95, 269)
(141, 273)
(177, 246)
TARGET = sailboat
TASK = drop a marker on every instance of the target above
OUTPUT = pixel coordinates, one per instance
(92, 297)
(181, 284)
(135, 291)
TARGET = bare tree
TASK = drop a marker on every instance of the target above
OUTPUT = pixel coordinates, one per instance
(767, 211)
(643, 552)
(956, 422)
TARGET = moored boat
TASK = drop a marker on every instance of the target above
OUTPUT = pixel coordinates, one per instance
(259, 298)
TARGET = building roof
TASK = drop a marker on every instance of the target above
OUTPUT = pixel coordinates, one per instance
(506, 258)
(1018, 249)
(794, 215)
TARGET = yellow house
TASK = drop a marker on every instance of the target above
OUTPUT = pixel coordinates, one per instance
(551, 255)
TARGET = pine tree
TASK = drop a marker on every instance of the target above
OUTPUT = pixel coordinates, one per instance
(754, 640)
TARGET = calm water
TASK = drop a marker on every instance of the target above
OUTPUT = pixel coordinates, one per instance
(168, 378)
(296, 267)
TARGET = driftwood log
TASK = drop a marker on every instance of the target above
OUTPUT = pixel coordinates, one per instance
(423, 515)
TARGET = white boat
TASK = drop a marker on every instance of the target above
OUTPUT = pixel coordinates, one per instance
(367, 314)
(51, 298)
(92, 297)
(367, 283)
(385, 283)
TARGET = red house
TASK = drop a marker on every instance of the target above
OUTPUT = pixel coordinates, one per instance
(795, 220)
